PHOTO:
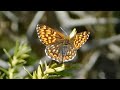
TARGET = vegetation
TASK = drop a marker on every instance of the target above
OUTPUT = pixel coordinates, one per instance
(22, 55)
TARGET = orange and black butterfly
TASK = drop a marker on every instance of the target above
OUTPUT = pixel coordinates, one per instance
(60, 47)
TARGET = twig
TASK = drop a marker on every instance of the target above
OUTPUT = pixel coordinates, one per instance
(13, 18)
(34, 23)
(63, 17)
(66, 21)
(79, 13)
(109, 40)
(87, 67)
(10, 16)
(45, 58)
(100, 43)
(115, 49)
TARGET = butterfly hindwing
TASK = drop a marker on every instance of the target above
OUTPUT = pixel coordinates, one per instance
(60, 52)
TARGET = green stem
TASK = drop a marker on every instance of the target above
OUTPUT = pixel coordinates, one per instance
(27, 72)
(11, 73)
(4, 70)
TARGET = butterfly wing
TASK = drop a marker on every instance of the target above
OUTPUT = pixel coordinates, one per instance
(48, 35)
(55, 46)
(60, 52)
(79, 39)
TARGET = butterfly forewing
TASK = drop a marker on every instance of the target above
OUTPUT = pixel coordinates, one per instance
(48, 35)
(79, 39)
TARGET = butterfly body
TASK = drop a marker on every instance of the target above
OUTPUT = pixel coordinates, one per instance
(60, 47)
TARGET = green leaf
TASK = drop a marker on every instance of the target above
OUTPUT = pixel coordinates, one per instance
(23, 56)
(16, 48)
(39, 72)
(45, 76)
(34, 75)
(28, 72)
(4, 70)
(8, 55)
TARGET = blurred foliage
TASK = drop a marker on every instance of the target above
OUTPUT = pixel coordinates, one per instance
(16, 60)
(15, 27)
(45, 71)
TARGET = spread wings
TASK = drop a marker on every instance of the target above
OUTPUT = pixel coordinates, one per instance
(48, 35)
(79, 39)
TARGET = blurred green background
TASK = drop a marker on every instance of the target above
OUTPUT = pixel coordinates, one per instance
(98, 58)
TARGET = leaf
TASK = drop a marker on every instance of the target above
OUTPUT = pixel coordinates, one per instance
(8, 55)
(4, 70)
(28, 72)
(24, 56)
(34, 75)
(39, 72)
(16, 48)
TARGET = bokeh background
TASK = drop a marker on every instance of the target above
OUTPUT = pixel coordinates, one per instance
(98, 58)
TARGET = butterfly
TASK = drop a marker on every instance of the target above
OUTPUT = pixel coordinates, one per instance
(60, 47)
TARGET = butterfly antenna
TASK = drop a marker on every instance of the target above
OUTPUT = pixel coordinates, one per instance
(63, 30)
